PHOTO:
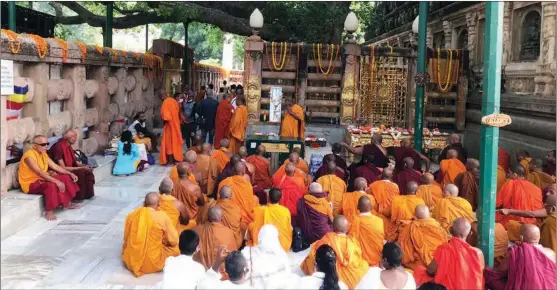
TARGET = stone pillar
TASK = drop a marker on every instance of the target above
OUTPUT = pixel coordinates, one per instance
(429, 37)
(350, 89)
(119, 101)
(448, 32)
(252, 78)
(101, 102)
(545, 72)
(76, 105)
(472, 24)
(3, 145)
(507, 28)
(38, 107)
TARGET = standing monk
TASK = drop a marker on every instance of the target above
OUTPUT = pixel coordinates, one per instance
(452, 207)
(405, 150)
(242, 193)
(219, 159)
(293, 125)
(149, 238)
(188, 193)
(172, 116)
(231, 213)
(63, 153)
(292, 187)
(222, 121)
(335, 186)
(314, 214)
(368, 230)
(537, 176)
(407, 174)
(262, 175)
(350, 199)
(238, 125)
(455, 144)
(468, 182)
(374, 149)
(429, 191)
(57, 187)
(202, 165)
(549, 167)
(175, 209)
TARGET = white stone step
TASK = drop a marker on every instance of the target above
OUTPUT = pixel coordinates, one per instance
(19, 209)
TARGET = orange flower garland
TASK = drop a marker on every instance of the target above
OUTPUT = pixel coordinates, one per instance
(13, 38)
(124, 53)
(319, 60)
(113, 52)
(42, 45)
(83, 50)
(137, 56)
(99, 49)
(64, 47)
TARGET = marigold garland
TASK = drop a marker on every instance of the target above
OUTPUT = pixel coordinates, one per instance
(41, 44)
(137, 56)
(114, 53)
(284, 56)
(124, 53)
(319, 60)
(64, 47)
(448, 71)
(99, 49)
(13, 38)
(83, 49)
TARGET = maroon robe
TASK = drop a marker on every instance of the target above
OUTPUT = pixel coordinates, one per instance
(323, 171)
(313, 224)
(399, 153)
(367, 171)
(549, 169)
(62, 150)
(338, 160)
(405, 176)
(379, 158)
(227, 171)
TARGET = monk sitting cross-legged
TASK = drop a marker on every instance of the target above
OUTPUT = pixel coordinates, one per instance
(384, 191)
(202, 165)
(229, 171)
(368, 230)
(301, 170)
(537, 176)
(350, 199)
(188, 193)
(293, 125)
(292, 188)
(403, 207)
(367, 170)
(190, 161)
(314, 214)
(419, 238)
(275, 214)
(407, 174)
(524, 159)
(213, 235)
(452, 207)
(174, 208)
(456, 265)
(519, 194)
(527, 265)
(238, 125)
(429, 191)
(231, 213)
(172, 116)
(450, 168)
(149, 238)
(351, 266)
(322, 171)
(501, 241)
(468, 182)
(243, 152)
(335, 186)
(219, 159)
(262, 174)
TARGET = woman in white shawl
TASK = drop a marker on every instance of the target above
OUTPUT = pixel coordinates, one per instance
(269, 266)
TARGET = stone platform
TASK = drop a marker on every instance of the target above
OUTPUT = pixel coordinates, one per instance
(333, 133)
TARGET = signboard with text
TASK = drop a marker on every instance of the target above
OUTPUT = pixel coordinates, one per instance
(275, 106)
(7, 77)
(496, 120)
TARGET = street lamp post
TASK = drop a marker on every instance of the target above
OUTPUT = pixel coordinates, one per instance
(422, 78)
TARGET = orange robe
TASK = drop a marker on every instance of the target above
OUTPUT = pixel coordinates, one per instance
(384, 191)
(501, 177)
(526, 164)
(430, 193)
(336, 188)
(171, 143)
(261, 175)
(188, 199)
(219, 159)
(450, 208)
(149, 238)
(459, 266)
(541, 179)
(167, 206)
(350, 204)
(501, 241)
(468, 187)
(174, 175)
(402, 209)
(547, 230)
(449, 169)
(231, 217)
(274, 214)
(298, 173)
(211, 237)
(238, 125)
(202, 165)
(368, 230)
(222, 121)
(418, 240)
(351, 266)
(292, 188)
(519, 194)
(302, 165)
(242, 195)
(292, 128)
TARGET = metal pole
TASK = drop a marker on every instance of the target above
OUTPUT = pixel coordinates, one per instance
(146, 37)
(108, 30)
(493, 52)
(11, 16)
(420, 73)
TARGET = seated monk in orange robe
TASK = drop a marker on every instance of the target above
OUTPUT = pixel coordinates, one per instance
(238, 125)
(202, 165)
(407, 174)
(419, 238)
(190, 160)
(503, 167)
(468, 182)
(452, 207)
(275, 214)
(384, 191)
(403, 208)
(501, 241)
(456, 264)
(524, 159)
(188, 193)
(222, 121)
(172, 116)
(292, 188)
(174, 208)
(450, 168)
(368, 230)
(537, 176)
(293, 125)
(231, 213)
(242, 194)
(212, 235)
(301, 165)
(350, 200)
(219, 159)
(351, 266)
(429, 191)
(262, 174)
(335, 186)
(519, 194)
(149, 238)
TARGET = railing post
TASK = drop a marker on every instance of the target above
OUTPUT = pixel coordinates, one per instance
(252, 78)
(350, 88)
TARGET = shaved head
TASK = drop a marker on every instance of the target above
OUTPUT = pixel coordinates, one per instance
(421, 211)
(152, 200)
(225, 192)
(387, 174)
(198, 140)
(260, 150)
(240, 168)
(243, 151)
(294, 157)
(340, 224)
(224, 142)
(183, 169)
(166, 186)
(461, 228)
(315, 187)
(408, 162)
(428, 178)
(297, 150)
(235, 159)
(360, 183)
(206, 148)
(331, 167)
(452, 154)
(530, 233)
(364, 204)
(473, 165)
(454, 138)
(520, 171)
(290, 169)
(405, 143)
(191, 157)
(550, 203)
(215, 214)
(411, 187)
(450, 190)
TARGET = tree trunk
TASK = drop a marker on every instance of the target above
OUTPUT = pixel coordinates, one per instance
(186, 61)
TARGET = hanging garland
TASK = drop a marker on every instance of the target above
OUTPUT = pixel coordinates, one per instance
(137, 56)
(319, 60)
(13, 38)
(100, 49)
(64, 47)
(83, 50)
(448, 71)
(41, 44)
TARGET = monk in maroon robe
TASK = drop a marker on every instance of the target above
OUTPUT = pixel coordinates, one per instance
(549, 168)
(64, 155)
(405, 150)
(341, 163)
(367, 170)
(407, 174)
(323, 169)
(315, 214)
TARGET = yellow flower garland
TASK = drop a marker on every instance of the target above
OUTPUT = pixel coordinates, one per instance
(448, 71)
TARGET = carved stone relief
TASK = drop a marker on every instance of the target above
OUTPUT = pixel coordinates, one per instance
(20, 130)
(91, 88)
(90, 146)
(91, 117)
(59, 90)
(112, 85)
(129, 83)
(59, 123)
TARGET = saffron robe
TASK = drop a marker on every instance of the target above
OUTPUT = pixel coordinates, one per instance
(314, 212)
(403, 207)
(518, 194)
(202, 166)
(418, 240)
(292, 128)
(298, 173)
(547, 231)
(276, 215)
(149, 238)
(399, 153)
(63, 150)
(430, 193)
(384, 191)
(238, 125)
(292, 189)
(211, 237)
(501, 241)
(501, 177)
(242, 195)
(526, 164)
(302, 165)
(219, 159)
(189, 199)
(540, 179)
(350, 204)
(171, 143)
(351, 267)
(222, 121)
(368, 229)
(231, 217)
(449, 169)
(450, 208)
(459, 266)
(261, 175)
(336, 189)
(405, 176)
(468, 187)
(167, 206)
(380, 158)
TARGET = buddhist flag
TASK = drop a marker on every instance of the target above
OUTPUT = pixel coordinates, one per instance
(15, 102)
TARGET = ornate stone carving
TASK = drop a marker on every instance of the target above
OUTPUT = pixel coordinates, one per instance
(80, 74)
(422, 79)
(59, 123)
(448, 31)
(144, 83)
(11, 176)
(471, 24)
(90, 146)
(120, 74)
(91, 117)
(20, 130)
(129, 109)
(59, 90)
(112, 85)
(114, 111)
(105, 72)
(347, 120)
(129, 83)
(91, 88)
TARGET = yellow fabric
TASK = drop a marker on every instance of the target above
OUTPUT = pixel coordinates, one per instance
(302, 165)
(450, 168)
(384, 191)
(548, 232)
(238, 126)
(541, 179)
(167, 206)
(368, 230)
(350, 204)
(149, 238)
(211, 237)
(26, 176)
(513, 230)
(336, 188)
(418, 240)
(174, 175)
(526, 164)
(289, 127)
(501, 241)
(276, 215)
(218, 161)
(450, 208)
(144, 140)
(202, 165)
(404, 206)
(430, 193)
(501, 177)
(242, 195)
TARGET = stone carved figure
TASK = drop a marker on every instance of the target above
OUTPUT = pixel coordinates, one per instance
(530, 41)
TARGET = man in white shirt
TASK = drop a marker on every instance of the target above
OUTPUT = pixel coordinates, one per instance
(236, 267)
(175, 267)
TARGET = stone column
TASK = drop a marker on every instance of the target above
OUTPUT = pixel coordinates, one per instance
(448, 32)
(3, 145)
(472, 24)
(507, 28)
(429, 37)
(119, 98)
(545, 72)
(350, 89)
(76, 104)
(252, 78)
(38, 107)
(101, 102)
